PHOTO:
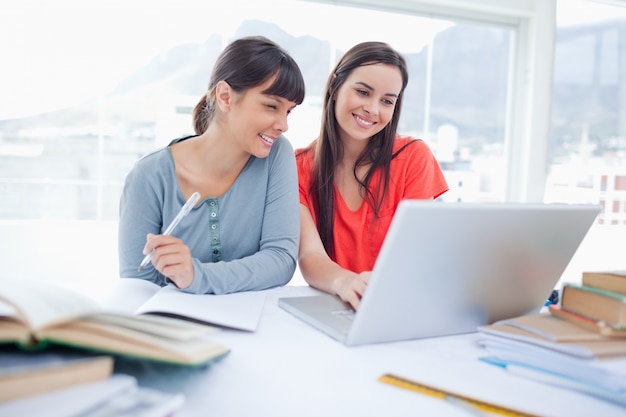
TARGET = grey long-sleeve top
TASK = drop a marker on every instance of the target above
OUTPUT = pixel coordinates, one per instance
(246, 239)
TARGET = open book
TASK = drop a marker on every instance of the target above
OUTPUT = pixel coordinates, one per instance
(241, 310)
(35, 313)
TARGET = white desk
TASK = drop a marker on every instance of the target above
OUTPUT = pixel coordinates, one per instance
(287, 368)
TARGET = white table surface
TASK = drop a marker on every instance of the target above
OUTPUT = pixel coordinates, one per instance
(287, 368)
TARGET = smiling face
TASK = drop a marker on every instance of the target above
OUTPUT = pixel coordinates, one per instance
(258, 119)
(365, 103)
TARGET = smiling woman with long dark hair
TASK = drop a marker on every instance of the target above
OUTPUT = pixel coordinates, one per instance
(243, 234)
(353, 176)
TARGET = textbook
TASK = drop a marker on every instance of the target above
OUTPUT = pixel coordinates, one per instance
(607, 280)
(34, 314)
(21, 379)
(119, 395)
(595, 303)
(556, 335)
(596, 326)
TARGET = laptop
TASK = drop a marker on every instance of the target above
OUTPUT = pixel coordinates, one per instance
(447, 268)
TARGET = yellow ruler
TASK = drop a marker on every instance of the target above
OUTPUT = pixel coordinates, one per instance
(447, 395)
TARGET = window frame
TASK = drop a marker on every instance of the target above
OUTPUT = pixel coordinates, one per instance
(528, 114)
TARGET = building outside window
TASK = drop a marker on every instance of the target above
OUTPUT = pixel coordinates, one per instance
(588, 137)
(83, 103)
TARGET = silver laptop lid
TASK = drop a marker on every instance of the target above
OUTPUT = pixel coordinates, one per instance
(446, 268)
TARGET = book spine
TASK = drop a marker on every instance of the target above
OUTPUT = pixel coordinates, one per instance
(621, 298)
(605, 281)
(596, 326)
(595, 304)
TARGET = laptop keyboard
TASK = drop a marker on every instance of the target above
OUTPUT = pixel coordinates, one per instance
(347, 315)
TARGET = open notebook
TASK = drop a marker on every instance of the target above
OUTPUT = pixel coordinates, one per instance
(446, 268)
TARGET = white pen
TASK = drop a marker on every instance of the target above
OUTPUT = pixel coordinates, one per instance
(182, 213)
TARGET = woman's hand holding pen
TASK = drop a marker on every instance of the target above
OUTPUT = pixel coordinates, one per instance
(171, 257)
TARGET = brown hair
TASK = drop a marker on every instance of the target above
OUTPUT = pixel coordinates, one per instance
(246, 63)
(328, 147)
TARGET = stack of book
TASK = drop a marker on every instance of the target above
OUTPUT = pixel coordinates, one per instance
(58, 347)
(68, 384)
(579, 343)
(599, 304)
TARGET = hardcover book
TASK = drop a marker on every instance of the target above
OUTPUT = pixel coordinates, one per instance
(43, 373)
(595, 303)
(607, 280)
(596, 326)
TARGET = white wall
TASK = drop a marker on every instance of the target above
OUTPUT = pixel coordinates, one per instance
(77, 254)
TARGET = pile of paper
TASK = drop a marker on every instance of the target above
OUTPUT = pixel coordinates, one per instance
(551, 350)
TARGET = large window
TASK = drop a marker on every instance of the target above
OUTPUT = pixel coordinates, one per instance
(88, 88)
(588, 137)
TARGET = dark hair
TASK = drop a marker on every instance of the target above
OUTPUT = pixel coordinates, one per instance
(328, 147)
(247, 63)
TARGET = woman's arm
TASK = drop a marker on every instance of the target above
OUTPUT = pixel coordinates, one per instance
(140, 214)
(320, 271)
